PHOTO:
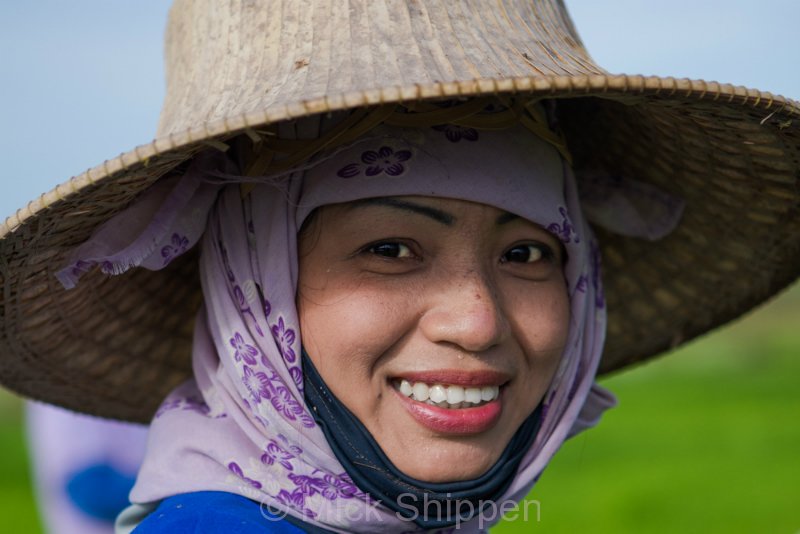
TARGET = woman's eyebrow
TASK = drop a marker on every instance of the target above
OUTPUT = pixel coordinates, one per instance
(505, 218)
(433, 213)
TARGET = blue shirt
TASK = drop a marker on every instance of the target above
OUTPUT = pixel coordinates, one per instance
(213, 512)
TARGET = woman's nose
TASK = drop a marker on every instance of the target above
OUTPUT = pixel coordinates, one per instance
(465, 311)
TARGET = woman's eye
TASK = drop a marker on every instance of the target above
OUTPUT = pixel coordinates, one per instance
(525, 254)
(390, 250)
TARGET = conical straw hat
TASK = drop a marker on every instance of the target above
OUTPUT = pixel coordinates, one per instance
(115, 345)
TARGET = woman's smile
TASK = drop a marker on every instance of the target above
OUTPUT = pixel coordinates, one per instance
(455, 418)
(439, 323)
(450, 401)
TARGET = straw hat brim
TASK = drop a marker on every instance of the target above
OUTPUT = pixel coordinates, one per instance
(115, 346)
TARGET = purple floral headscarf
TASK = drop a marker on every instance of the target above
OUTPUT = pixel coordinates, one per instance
(241, 424)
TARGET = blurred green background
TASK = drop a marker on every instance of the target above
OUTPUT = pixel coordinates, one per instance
(705, 439)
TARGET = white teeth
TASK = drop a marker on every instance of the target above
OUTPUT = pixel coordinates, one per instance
(452, 397)
(420, 391)
(489, 392)
(472, 395)
(455, 394)
(438, 394)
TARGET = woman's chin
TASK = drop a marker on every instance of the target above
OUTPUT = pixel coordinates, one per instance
(444, 462)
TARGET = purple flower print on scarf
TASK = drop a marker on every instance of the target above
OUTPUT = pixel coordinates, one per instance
(283, 401)
(243, 351)
(329, 486)
(308, 485)
(178, 246)
(285, 337)
(297, 375)
(295, 500)
(274, 452)
(564, 230)
(235, 469)
(383, 160)
(81, 267)
(338, 487)
(281, 397)
(267, 305)
(270, 386)
(455, 133)
(107, 267)
(257, 383)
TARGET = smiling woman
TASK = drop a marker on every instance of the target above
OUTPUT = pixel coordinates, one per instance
(398, 310)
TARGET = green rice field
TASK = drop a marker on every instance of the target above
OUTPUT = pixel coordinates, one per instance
(706, 439)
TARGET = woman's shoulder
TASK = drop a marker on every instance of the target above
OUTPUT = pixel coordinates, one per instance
(213, 511)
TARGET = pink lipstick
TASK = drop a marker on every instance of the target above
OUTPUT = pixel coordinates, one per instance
(454, 421)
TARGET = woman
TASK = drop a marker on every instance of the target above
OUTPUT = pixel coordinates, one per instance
(236, 373)
(506, 311)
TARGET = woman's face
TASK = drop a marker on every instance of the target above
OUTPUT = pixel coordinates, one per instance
(403, 299)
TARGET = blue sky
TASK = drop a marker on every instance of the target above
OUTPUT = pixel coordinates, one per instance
(82, 81)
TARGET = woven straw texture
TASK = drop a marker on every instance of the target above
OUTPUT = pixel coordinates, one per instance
(115, 346)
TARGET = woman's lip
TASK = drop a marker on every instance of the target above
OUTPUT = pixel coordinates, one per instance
(454, 421)
(456, 377)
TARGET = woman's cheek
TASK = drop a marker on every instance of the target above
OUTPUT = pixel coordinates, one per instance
(540, 313)
(345, 330)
